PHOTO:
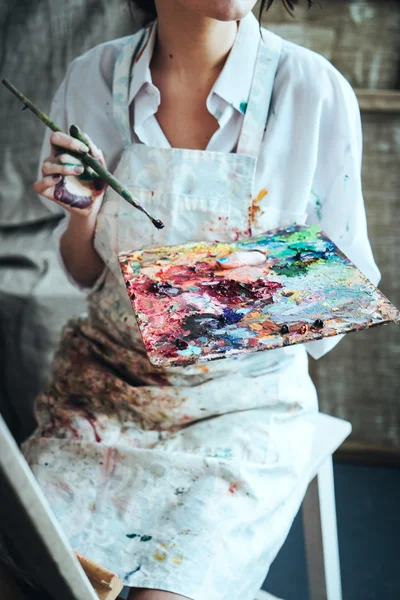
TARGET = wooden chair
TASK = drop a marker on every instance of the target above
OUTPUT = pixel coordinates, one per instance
(319, 513)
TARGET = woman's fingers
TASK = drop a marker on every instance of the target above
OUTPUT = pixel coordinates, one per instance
(62, 165)
(62, 140)
(66, 180)
(45, 186)
(242, 258)
(94, 150)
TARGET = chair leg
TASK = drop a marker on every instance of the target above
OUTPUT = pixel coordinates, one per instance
(320, 533)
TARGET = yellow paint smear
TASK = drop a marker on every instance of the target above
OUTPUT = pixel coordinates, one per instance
(160, 556)
(177, 560)
(255, 326)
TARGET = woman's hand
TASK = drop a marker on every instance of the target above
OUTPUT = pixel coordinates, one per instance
(78, 189)
(241, 259)
(67, 181)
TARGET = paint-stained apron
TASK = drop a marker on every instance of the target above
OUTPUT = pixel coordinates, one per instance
(184, 479)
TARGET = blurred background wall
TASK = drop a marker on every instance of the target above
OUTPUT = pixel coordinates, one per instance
(360, 379)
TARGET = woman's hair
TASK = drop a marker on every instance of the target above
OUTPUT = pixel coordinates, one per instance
(149, 8)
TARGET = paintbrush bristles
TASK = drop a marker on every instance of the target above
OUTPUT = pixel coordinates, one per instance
(86, 158)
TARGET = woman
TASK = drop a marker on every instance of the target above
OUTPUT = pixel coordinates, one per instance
(185, 481)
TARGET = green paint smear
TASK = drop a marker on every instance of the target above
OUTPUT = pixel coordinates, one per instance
(143, 538)
(303, 247)
(306, 235)
(243, 107)
(293, 270)
(222, 453)
(318, 208)
(318, 205)
(135, 266)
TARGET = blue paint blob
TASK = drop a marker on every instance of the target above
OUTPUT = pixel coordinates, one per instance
(128, 575)
(190, 350)
(230, 317)
(243, 107)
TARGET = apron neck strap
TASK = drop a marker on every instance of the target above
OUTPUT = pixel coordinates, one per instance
(255, 119)
(121, 83)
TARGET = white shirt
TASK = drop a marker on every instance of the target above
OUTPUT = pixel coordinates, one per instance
(310, 159)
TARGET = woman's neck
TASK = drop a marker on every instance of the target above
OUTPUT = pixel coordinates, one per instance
(190, 44)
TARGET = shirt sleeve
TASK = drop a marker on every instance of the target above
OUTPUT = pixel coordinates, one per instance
(58, 114)
(336, 202)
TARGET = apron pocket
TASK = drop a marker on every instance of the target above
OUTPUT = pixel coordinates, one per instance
(186, 218)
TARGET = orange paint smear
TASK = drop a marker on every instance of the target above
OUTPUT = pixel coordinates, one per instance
(255, 206)
(234, 487)
(144, 47)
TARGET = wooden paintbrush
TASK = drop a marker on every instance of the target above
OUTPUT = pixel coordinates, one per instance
(85, 157)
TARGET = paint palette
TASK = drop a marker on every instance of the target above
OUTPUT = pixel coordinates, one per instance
(190, 310)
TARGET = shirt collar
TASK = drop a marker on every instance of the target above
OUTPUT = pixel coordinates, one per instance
(229, 86)
(141, 74)
(234, 82)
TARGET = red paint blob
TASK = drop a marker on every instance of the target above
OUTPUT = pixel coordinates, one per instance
(73, 430)
(234, 487)
(91, 421)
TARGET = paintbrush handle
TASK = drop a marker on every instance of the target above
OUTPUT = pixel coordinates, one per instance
(28, 104)
(86, 158)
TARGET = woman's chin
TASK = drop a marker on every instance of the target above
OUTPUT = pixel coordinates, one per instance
(221, 10)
